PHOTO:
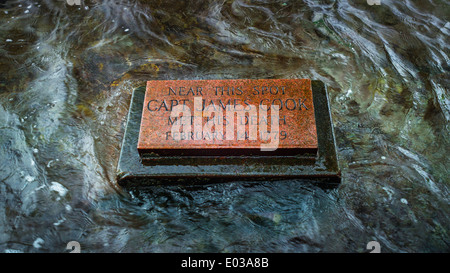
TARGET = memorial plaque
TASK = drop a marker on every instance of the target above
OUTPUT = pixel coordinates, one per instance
(228, 117)
(155, 152)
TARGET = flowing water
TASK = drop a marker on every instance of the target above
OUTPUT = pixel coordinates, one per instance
(67, 73)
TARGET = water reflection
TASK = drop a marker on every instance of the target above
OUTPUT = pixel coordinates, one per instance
(66, 78)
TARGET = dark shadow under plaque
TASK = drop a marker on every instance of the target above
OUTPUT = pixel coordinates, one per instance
(218, 165)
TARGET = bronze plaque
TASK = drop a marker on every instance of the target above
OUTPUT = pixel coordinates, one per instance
(228, 117)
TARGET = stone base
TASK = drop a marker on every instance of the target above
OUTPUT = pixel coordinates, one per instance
(135, 171)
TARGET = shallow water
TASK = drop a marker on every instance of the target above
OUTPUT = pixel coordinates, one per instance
(67, 73)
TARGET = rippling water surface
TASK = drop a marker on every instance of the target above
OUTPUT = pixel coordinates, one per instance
(66, 76)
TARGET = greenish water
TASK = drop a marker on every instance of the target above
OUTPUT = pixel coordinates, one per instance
(67, 73)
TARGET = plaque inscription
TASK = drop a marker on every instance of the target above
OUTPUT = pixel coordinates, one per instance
(228, 117)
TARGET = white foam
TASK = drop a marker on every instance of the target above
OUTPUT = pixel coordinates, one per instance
(29, 178)
(60, 189)
(9, 250)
